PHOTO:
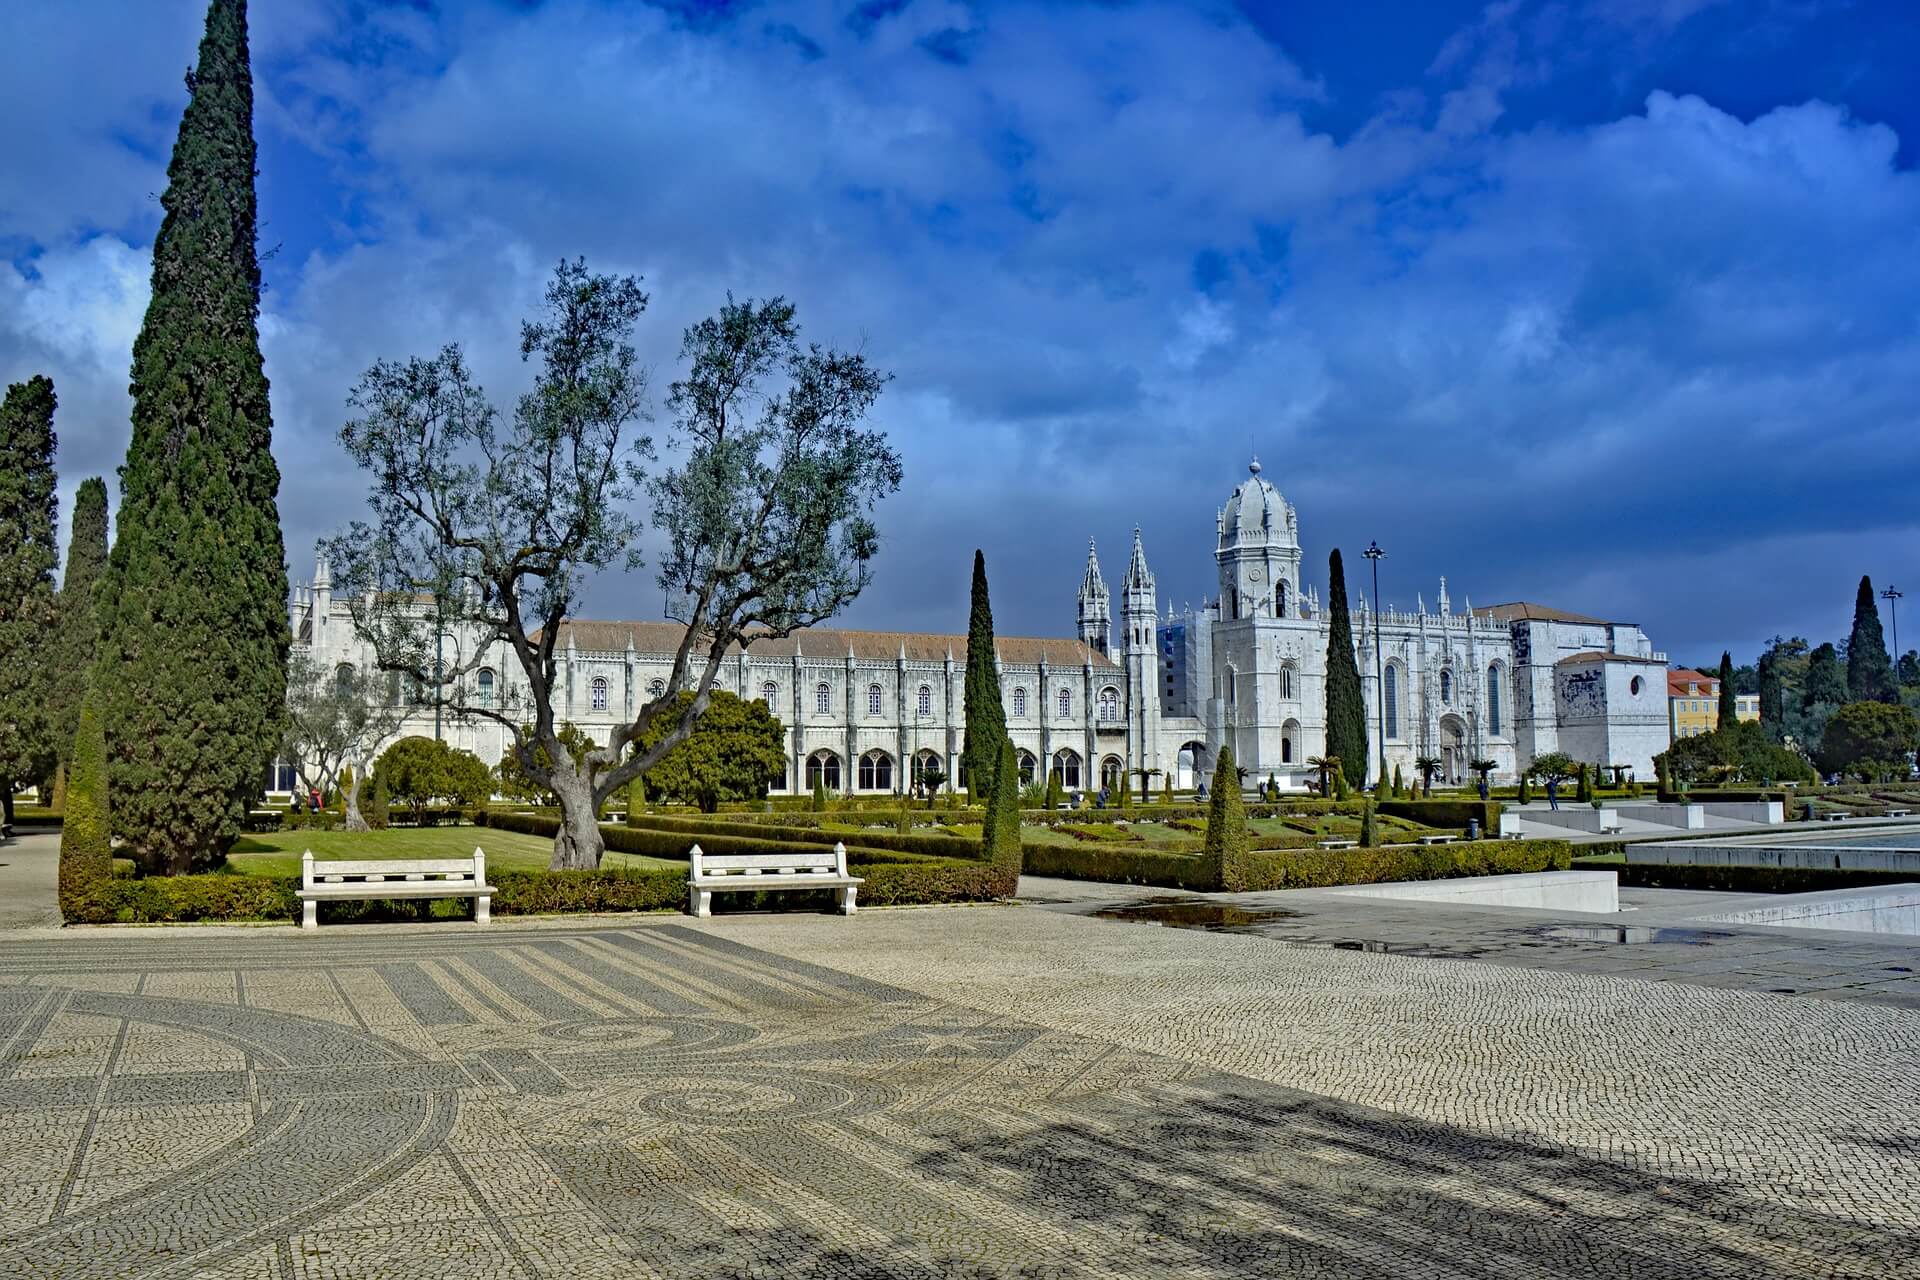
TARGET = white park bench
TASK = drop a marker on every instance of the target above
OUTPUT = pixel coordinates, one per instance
(1899, 813)
(393, 878)
(822, 868)
(1438, 839)
(1339, 844)
(1831, 815)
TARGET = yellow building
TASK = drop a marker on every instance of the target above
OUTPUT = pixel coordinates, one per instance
(1693, 703)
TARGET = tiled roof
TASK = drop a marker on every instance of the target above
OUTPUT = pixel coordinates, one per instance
(1526, 611)
(830, 643)
(1678, 680)
(1596, 655)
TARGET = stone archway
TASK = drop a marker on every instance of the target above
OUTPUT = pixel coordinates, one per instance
(1453, 748)
(1191, 765)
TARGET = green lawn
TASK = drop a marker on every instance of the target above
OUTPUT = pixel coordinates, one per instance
(1152, 835)
(278, 853)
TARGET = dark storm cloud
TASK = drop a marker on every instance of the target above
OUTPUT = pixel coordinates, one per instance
(1109, 251)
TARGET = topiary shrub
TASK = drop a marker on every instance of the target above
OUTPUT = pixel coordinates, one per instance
(86, 845)
(1369, 829)
(1000, 834)
(1053, 793)
(1226, 854)
(819, 796)
(378, 815)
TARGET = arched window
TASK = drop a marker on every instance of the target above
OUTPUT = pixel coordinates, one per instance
(1066, 767)
(599, 693)
(823, 769)
(1280, 600)
(1286, 751)
(1020, 702)
(770, 694)
(1110, 775)
(1064, 703)
(1109, 705)
(1493, 698)
(656, 687)
(1027, 765)
(1286, 679)
(923, 703)
(876, 771)
(1393, 701)
(343, 679)
(822, 698)
(483, 687)
(1446, 687)
(873, 699)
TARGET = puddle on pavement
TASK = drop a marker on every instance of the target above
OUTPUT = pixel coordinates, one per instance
(1628, 934)
(1192, 913)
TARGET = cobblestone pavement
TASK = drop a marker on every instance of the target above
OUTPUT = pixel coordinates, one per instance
(953, 1092)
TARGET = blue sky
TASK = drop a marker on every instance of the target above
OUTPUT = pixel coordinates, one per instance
(1613, 305)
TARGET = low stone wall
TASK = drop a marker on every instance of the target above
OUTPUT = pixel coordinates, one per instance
(1894, 909)
(1686, 817)
(1699, 853)
(1586, 891)
(1580, 817)
(1769, 811)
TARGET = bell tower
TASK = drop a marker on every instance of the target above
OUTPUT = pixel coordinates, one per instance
(1258, 552)
(1141, 656)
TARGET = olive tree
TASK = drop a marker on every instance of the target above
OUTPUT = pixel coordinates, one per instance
(333, 719)
(491, 523)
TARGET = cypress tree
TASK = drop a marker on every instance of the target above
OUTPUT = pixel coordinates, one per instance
(986, 717)
(1227, 854)
(1826, 680)
(1399, 782)
(1000, 832)
(1773, 699)
(1346, 710)
(1729, 700)
(1369, 829)
(29, 548)
(1869, 669)
(193, 621)
(86, 852)
(79, 626)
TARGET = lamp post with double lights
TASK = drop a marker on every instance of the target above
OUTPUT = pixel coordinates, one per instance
(1375, 554)
(1892, 595)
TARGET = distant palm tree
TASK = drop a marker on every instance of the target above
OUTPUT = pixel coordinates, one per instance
(1326, 765)
(1428, 766)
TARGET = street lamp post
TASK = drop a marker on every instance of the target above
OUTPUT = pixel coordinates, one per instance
(1892, 596)
(1375, 554)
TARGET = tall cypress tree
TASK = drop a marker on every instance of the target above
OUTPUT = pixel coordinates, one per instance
(1346, 708)
(1729, 700)
(79, 625)
(29, 548)
(1869, 670)
(986, 717)
(193, 621)
(1773, 696)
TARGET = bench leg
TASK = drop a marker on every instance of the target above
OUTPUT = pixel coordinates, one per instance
(309, 914)
(846, 899)
(482, 909)
(702, 903)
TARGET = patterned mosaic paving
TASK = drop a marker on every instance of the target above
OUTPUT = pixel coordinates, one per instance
(664, 1101)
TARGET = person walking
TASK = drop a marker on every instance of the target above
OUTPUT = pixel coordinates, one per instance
(1553, 794)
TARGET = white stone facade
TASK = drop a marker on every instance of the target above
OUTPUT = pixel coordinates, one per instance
(1504, 684)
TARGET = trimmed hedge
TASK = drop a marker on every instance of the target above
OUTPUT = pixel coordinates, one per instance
(691, 830)
(1445, 813)
(1303, 868)
(1642, 875)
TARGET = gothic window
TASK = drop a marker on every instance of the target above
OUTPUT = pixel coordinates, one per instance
(1065, 702)
(822, 698)
(1110, 776)
(873, 699)
(924, 703)
(770, 694)
(343, 679)
(1109, 704)
(1493, 698)
(483, 687)
(1020, 703)
(1066, 767)
(656, 687)
(876, 771)
(599, 693)
(1446, 687)
(823, 769)
(1286, 680)
(1027, 766)
(1286, 751)
(1393, 701)
(1280, 599)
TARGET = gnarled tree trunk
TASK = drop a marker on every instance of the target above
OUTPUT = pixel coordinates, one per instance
(577, 846)
(354, 821)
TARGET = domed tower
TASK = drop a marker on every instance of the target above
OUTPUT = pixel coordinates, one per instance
(1096, 607)
(1258, 552)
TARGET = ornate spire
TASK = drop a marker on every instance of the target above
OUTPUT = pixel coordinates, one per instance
(1092, 584)
(1139, 578)
(1445, 604)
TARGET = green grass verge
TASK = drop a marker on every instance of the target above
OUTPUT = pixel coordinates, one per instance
(278, 853)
